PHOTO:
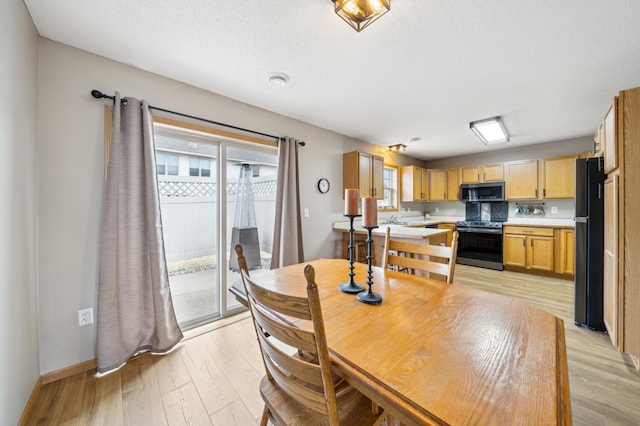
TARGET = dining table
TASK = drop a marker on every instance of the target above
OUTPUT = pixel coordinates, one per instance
(434, 353)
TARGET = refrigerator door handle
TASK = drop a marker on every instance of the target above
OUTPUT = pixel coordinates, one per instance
(581, 219)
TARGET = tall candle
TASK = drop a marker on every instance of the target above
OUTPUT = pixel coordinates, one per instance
(351, 201)
(369, 211)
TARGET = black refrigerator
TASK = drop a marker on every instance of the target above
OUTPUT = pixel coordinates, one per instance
(589, 246)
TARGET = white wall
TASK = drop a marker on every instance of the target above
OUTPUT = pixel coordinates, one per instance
(71, 129)
(18, 236)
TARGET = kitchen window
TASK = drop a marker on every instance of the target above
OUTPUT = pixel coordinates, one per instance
(390, 186)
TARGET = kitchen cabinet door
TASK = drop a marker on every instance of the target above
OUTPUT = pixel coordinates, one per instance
(377, 177)
(363, 171)
(558, 177)
(521, 180)
(610, 291)
(515, 250)
(565, 247)
(414, 181)
(471, 174)
(540, 253)
(453, 184)
(610, 136)
(492, 172)
(437, 185)
(451, 227)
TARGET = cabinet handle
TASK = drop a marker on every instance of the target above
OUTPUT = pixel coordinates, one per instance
(444, 196)
(536, 192)
(478, 176)
(484, 176)
(531, 243)
(544, 192)
(524, 244)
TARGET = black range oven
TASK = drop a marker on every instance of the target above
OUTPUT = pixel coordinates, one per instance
(480, 244)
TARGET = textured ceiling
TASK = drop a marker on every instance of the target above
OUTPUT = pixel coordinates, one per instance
(425, 69)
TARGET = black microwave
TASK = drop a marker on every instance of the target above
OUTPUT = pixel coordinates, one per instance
(482, 192)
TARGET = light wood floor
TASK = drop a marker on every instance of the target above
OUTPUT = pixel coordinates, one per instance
(213, 378)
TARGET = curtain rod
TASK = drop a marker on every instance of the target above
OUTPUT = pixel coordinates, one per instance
(99, 95)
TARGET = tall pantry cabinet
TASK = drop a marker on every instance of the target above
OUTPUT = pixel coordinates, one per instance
(618, 139)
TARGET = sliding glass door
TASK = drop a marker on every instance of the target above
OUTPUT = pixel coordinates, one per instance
(213, 193)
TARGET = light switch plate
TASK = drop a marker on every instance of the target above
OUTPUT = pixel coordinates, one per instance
(306, 212)
(554, 210)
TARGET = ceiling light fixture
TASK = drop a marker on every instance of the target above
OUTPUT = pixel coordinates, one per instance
(278, 79)
(397, 148)
(490, 130)
(361, 13)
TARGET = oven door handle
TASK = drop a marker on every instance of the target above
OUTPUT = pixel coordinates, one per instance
(480, 231)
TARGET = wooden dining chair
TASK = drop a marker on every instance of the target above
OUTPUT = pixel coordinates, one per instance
(300, 387)
(429, 258)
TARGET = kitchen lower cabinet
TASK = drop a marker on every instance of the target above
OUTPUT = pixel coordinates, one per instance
(451, 227)
(565, 249)
(529, 248)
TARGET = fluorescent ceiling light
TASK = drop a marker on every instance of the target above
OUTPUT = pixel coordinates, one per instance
(490, 130)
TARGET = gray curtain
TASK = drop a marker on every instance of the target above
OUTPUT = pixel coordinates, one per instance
(135, 310)
(287, 235)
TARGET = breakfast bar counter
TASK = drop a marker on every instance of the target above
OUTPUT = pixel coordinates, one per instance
(398, 232)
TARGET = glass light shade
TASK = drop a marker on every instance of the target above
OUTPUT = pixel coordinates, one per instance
(490, 130)
(361, 13)
(397, 148)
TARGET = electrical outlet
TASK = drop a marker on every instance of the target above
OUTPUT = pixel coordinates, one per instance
(437, 210)
(85, 316)
(306, 212)
(554, 210)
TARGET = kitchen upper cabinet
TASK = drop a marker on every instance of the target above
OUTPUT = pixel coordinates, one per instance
(529, 248)
(453, 184)
(610, 137)
(365, 172)
(558, 177)
(414, 183)
(485, 173)
(521, 180)
(470, 174)
(438, 185)
(492, 172)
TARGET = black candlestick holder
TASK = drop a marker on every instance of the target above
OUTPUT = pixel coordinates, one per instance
(351, 286)
(369, 297)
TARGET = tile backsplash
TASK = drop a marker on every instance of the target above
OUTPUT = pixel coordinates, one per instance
(553, 209)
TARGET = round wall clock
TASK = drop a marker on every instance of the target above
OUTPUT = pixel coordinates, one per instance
(323, 186)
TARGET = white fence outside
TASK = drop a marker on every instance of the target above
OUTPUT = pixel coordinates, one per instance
(189, 214)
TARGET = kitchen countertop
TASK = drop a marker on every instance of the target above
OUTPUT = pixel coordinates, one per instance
(400, 231)
(435, 220)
